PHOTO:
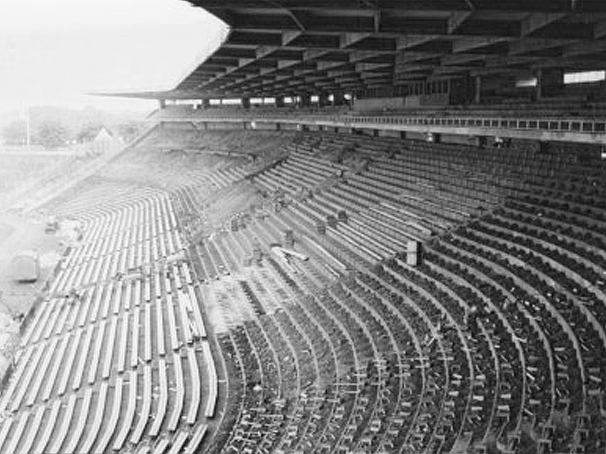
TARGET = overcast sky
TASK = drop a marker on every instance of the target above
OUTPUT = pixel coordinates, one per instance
(52, 52)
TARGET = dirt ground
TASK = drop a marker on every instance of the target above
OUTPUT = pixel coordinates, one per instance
(18, 233)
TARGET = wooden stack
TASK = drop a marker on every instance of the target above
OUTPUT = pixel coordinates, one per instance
(412, 253)
(289, 238)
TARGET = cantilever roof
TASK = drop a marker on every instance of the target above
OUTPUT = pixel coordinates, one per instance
(292, 47)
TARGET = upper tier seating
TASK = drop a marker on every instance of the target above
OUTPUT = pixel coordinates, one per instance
(515, 355)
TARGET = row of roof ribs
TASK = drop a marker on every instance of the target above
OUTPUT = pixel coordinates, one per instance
(293, 47)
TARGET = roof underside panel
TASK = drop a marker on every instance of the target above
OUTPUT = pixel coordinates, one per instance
(295, 47)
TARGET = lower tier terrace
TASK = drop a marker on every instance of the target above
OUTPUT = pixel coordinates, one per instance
(251, 291)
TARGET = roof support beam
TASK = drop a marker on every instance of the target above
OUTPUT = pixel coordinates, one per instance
(535, 44)
(508, 60)
(412, 68)
(599, 30)
(377, 21)
(361, 55)
(362, 67)
(410, 56)
(263, 51)
(470, 4)
(584, 48)
(536, 21)
(457, 59)
(286, 63)
(408, 41)
(289, 36)
(288, 11)
(338, 73)
(584, 63)
(310, 54)
(245, 61)
(347, 39)
(456, 20)
(325, 65)
(471, 42)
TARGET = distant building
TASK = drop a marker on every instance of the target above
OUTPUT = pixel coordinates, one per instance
(105, 140)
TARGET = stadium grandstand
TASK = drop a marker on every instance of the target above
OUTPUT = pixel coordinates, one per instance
(356, 226)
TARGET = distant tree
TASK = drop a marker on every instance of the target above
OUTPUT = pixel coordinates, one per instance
(130, 130)
(88, 132)
(51, 134)
(15, 133)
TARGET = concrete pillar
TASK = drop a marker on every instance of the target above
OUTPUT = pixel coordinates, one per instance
(550, 82)
(305, 100)
(246, 103)
(338, 99)
(433, 137)
(161, 103)
(538, 89)
(477, 90)
(323, 100)
(482, 141)
(279, 101)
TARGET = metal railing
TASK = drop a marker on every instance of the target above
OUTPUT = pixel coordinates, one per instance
(576, 125)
